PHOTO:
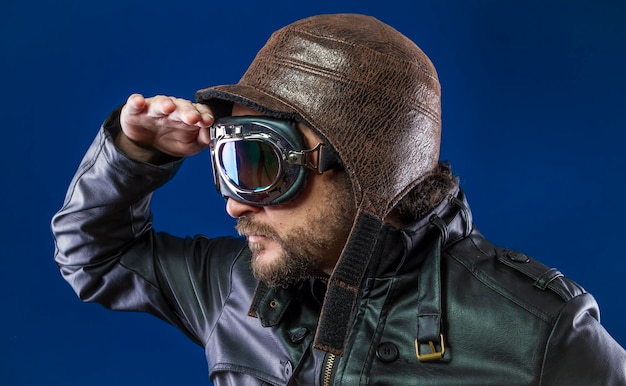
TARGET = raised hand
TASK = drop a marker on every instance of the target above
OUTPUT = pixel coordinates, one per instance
(163, 125)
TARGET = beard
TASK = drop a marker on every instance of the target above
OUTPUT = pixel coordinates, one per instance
(306, 249)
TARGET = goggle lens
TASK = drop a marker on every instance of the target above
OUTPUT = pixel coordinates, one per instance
(250, 164)
(261, 160)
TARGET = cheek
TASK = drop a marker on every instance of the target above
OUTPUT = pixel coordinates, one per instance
(305, 201)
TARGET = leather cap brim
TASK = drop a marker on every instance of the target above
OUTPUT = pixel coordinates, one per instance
(221, 98)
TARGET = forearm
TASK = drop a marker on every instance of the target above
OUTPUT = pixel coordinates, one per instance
(108, 252)
(106, 208)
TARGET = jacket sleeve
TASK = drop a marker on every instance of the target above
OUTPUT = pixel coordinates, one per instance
(580, 351)
(108, 252)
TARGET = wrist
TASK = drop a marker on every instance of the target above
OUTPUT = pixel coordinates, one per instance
(140, 153)
(137, 152)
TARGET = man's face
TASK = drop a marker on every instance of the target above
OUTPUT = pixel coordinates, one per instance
(304, 237)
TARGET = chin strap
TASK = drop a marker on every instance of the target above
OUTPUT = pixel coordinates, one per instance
(344, 284)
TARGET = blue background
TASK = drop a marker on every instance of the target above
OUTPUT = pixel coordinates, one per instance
(533, 112)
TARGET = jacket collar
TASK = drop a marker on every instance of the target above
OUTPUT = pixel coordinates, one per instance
(396, 251)
(448, 222)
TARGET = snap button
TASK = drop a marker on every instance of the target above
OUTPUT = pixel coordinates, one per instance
(387, 352)
(517, 257)
(274, 303)
(288, 369)
(299, 334)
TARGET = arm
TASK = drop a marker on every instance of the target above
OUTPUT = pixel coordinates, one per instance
(580, 351)
(105, 245)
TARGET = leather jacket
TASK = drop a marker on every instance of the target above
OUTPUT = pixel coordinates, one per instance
(475, 313)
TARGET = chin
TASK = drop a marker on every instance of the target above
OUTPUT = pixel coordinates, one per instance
(263, 256)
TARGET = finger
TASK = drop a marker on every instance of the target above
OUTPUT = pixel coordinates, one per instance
(204, 137)
(207, 117)
(187, 112)
(161, 106)
(135, 104)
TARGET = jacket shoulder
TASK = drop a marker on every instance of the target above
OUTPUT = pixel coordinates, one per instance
(536, 287)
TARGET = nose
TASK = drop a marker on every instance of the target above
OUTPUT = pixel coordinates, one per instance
(238, 209)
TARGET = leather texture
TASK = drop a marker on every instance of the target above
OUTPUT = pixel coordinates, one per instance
(365, 88)
(506, 318)
(372, 95)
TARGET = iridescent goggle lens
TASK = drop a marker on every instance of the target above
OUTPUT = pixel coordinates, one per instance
(258, 160)
(252, 164)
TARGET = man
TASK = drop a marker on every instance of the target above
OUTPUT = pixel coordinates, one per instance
(361, 266)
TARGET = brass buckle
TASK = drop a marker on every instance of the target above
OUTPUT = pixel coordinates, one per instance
(433, 355)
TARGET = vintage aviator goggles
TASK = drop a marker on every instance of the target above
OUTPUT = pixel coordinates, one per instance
(262, 161)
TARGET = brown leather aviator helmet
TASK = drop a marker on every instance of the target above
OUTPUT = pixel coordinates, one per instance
(373, 96)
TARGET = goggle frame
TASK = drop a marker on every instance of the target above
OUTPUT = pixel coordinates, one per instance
(287, 145)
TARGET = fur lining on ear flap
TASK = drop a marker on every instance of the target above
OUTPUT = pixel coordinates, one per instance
(344, 285)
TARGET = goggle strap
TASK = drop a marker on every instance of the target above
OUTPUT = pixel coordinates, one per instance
(325, 158)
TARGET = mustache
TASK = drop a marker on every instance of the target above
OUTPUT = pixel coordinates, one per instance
(247, 226)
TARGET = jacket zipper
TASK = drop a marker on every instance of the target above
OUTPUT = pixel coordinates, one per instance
(328, 369)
